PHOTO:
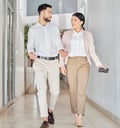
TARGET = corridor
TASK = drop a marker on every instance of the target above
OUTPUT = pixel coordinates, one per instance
(102, 19)
(25, 114)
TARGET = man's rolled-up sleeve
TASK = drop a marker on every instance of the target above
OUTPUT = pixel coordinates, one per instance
(31, 41)
(59, 44)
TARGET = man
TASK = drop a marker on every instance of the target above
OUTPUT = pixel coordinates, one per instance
(44, 45)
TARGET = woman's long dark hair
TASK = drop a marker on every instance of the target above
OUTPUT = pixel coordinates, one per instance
(81, 17)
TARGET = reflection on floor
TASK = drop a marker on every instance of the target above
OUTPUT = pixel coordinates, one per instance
(25, 114)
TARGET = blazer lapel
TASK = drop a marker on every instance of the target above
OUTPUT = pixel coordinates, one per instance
(68, 45)
(85, 41)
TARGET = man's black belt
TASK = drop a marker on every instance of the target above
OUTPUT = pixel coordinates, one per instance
(47, 58)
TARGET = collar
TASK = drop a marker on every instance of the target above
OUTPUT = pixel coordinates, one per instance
(42, 25)
(78, 34)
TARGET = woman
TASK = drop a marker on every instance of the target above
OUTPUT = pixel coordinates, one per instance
(80, 47)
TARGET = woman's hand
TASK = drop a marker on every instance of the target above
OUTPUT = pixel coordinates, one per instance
(102, 66)
(63, 53)
(63, 70)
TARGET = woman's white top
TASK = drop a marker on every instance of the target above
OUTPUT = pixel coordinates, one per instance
(77, 44)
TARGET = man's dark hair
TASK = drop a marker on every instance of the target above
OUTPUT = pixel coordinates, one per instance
(43, 7)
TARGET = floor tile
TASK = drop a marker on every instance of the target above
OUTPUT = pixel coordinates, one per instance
(25, 114)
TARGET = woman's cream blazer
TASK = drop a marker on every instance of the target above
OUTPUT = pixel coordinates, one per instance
(89, 47)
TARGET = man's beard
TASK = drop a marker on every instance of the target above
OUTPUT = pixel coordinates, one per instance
(47, 19)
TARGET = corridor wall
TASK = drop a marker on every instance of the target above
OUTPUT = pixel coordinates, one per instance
(5, 91)
(1, 54)
(104, 23)
(62, 20)
(19, 79)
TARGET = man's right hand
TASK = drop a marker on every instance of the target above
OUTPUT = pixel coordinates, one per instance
(32, 55)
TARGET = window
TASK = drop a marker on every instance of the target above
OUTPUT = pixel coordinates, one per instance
(58, 6)
(8, 50)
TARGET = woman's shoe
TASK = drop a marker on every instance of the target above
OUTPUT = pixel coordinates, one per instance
(78, 120)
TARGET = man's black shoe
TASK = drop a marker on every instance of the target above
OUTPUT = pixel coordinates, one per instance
(51, 118)
(45, 124)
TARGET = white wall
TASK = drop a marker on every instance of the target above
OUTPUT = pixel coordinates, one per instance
(117, 41)
(104, 23)
(19, 79)
(1, 54)
(62, 20)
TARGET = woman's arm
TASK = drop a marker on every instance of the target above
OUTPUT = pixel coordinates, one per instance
(92, 52)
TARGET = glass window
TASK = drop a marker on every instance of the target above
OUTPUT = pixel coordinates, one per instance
(58, 6)
(11, 2)
(8, 50)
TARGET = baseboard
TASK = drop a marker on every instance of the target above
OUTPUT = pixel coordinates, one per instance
(31, 90)
(15, 100)
(6, 107)
(107, 113)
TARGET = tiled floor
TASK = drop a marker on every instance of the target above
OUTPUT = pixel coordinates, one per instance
(25, 114)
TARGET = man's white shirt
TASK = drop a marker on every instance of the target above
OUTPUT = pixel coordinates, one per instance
(44, 40)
